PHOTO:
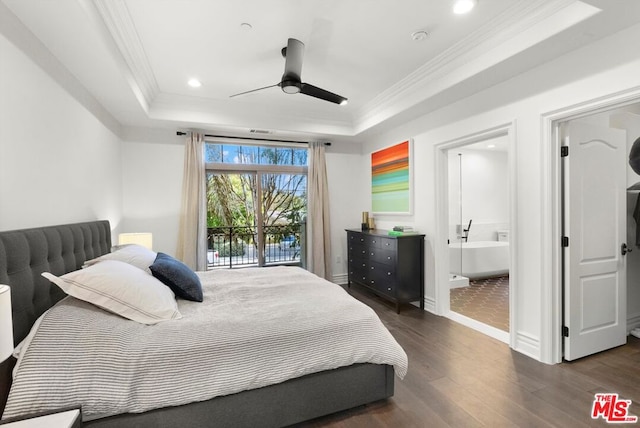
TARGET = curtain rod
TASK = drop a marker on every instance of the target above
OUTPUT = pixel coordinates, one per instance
(253, 139)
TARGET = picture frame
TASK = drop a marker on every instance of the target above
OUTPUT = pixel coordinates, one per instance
(392, 179)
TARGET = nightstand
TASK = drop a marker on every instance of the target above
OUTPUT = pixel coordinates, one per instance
(70, 417)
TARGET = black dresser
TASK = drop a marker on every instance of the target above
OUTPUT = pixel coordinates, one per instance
(390, 266)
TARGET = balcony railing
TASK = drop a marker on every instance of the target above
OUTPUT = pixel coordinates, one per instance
(236, 246)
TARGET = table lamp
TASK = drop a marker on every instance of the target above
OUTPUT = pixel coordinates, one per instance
(143, 239)
(6, 325)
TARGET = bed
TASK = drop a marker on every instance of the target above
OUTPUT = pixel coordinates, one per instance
(26, 254)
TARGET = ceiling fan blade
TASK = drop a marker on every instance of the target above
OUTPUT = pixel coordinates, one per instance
(293, 64)
(322, 94)
(253, 90)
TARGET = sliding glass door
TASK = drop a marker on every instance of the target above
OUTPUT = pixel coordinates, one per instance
(255, 211)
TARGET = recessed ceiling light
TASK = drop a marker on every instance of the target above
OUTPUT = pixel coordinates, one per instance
(463, 6)
(194, 83)
(419, 35)
(491, 146)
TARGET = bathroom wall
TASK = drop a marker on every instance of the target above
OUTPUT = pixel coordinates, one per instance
(485, 190)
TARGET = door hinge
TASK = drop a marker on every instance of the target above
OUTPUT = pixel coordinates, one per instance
(565, 331)
(565, 241)
(564, 151)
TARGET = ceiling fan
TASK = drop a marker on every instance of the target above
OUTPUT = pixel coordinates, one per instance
(291, 82)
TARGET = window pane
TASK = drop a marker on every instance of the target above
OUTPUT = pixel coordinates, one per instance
(213, 153)
(248, 155)
(284, 204)
(231, 220)
(255, 155)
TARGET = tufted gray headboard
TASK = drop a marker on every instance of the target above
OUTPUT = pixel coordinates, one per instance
(26, 253)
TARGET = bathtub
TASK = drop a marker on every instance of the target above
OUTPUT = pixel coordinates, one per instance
(480, 259)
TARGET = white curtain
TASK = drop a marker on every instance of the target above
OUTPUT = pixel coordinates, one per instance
(319, 230)
(192, 235)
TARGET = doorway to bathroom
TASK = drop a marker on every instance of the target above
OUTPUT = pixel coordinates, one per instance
(478, 239)
(476, 223)
(478, 178)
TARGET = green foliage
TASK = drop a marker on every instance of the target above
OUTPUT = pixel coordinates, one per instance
(232, 198)
(231, 249)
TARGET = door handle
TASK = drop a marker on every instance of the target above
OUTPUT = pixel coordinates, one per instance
(624, 249)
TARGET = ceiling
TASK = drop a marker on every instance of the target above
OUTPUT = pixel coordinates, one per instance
(131, 59)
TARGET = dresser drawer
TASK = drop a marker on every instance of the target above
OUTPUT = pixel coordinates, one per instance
(359, 276)
(388, 244)
(358, 252)
(364, 240)
(380, 255)
(382, 272)
(383, 286)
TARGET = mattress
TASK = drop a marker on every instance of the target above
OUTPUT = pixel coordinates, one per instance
(255, 327)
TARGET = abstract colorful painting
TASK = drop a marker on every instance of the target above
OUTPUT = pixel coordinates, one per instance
(391, 179)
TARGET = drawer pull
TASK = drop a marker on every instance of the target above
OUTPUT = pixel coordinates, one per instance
(373, 267)
(389, 258)
(372, 281)
(389, 289)
(388, 273)
(364, 264)
(363, 251)
(372, 254)
(374, 241)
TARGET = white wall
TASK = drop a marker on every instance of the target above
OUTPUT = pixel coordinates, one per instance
(349, 196)
(603, 68)
(485, 192)
(152, 169)
(58, 163)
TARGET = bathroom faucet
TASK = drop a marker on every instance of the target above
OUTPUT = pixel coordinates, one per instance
(465, 232)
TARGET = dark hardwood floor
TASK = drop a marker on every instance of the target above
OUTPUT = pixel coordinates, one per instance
(460, 378)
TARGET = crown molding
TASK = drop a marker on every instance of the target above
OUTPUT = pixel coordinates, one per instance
(20, 36)
(440, 72)
(119, 23)
(240, 115)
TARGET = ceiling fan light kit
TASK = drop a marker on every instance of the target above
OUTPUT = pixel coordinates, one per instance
(290, 87)
(291, 82)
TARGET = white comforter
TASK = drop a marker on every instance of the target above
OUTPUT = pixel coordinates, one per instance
(256, 327)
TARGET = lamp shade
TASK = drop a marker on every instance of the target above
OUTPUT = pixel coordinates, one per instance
(144, 239)
(6, 325)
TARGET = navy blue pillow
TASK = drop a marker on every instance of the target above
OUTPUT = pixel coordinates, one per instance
(177, 276)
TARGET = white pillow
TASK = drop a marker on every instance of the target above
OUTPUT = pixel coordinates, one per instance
(121, 288)
(133, 254)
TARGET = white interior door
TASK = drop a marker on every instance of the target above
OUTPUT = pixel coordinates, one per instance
(595, 225)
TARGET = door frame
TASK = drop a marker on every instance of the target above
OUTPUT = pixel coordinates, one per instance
(441, 249)
(551, 290)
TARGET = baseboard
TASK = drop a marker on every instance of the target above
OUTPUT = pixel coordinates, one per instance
(528, 345)
(633, 322)
(430, 304)
(341, 279)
